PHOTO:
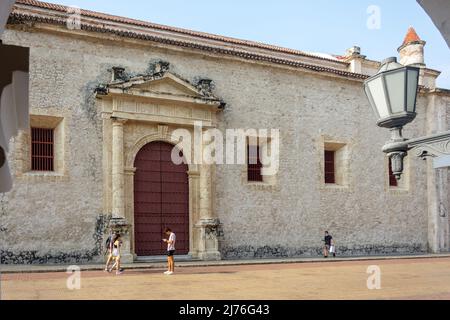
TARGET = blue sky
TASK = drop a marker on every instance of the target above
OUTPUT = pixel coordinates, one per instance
(329, 26)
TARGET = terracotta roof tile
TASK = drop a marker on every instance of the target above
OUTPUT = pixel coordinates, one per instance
(139, 23)
(411, 36)
(19, 17)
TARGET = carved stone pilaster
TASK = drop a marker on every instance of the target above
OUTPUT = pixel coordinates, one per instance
(119, 225)
(122, 227)
(118, 192)
(209, 239)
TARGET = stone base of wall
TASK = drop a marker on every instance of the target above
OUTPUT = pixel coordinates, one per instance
(228, 253)
(249, 252)
(34, 257)
(59, 256)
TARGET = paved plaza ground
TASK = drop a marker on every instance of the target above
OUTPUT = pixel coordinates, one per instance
(418, 278)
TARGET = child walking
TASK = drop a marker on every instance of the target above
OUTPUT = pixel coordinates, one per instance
(170, 251)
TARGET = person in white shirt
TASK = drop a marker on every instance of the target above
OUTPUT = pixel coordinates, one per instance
(170, 250)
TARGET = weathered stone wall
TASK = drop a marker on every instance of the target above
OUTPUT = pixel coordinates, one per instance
(447, 120)
(44, 221)
(53, 218)
(364, 218)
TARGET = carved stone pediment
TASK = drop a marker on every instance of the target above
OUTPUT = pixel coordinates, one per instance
(160, 96)
(165, 86)
(169, 84)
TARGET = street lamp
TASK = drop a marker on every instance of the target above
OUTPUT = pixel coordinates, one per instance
(392, 93)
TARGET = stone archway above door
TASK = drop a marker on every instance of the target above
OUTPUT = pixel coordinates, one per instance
(137, 110)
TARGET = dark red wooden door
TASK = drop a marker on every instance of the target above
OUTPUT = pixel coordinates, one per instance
(161, 199)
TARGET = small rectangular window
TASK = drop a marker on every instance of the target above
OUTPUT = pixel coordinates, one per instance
(42, 149)
(330, 176)
(254, 165)
(392, 180)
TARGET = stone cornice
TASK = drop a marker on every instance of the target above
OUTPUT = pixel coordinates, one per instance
(133, 23)
(434, 91)
(19, 16)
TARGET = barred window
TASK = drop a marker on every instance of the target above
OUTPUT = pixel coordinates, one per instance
(330, 175)
(42, 149)
(392, 180)
(254, 165)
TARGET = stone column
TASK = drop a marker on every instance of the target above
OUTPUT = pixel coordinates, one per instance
(437, 183)
(208, 222)
(118, 221)
(438, 201)
(118, 170)
(129, 205)
(205, 192)
(194, 195)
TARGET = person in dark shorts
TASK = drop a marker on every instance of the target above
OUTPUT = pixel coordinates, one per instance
(328, 238)
(170, 251)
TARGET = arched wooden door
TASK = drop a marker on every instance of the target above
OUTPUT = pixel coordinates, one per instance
(161, 199)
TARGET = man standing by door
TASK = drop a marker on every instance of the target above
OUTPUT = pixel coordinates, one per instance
(170, 250)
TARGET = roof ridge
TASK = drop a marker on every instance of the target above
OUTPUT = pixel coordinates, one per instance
(205, 35)
(17, 18)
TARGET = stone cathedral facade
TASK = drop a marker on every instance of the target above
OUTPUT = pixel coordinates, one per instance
(105, 98)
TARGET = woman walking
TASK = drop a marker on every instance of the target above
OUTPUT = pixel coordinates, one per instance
(115, 255)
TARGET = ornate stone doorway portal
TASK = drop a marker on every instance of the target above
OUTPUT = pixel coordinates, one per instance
(142, 190)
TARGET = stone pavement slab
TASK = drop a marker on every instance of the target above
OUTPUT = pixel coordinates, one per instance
(412, 278)
(196, 263)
